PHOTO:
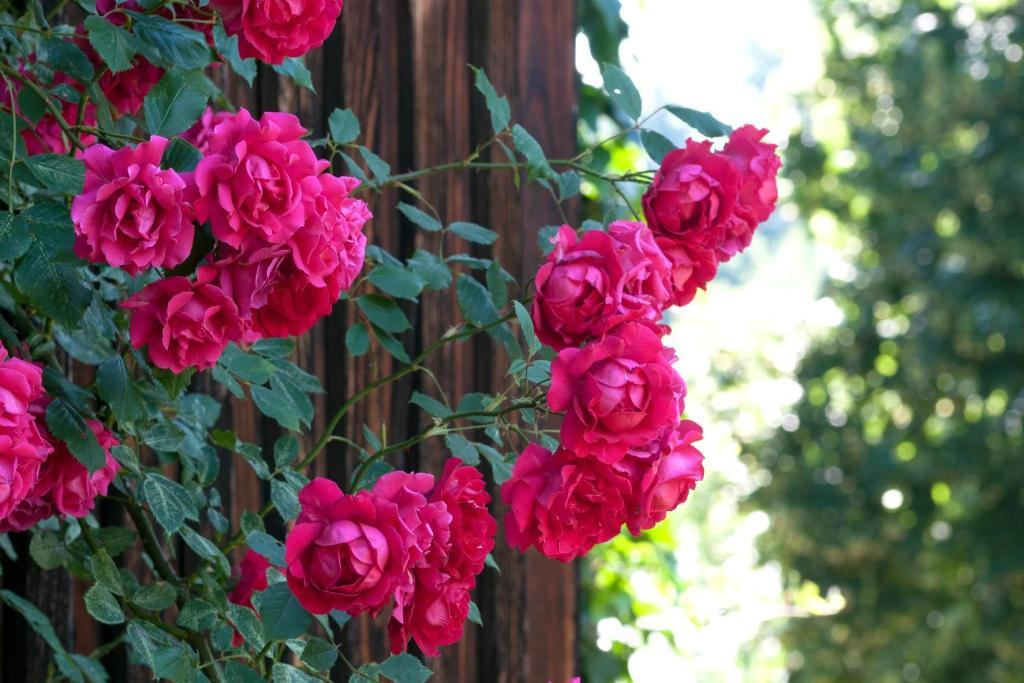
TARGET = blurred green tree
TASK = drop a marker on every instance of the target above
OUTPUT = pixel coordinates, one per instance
(898, 478)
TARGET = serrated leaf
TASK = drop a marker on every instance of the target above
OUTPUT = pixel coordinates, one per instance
(462, 448)
(155, 596)
(248, 624)
(621, 90)
(240, 673)
(175, 102)
(397, 281)
(497, 285)
(383, 312)
(656, 144)
(526, 325)
(344, 126)
(68, 58)
(381, 169)
(164, 436)
(14, 239)
(430, 405)
(404, 668)
(266, 545)
(285, 498)
(197, 615)
(473, 232)
(276, 406)
(357, 339)
(283, 617)
(392, 346)
(113, 44)
(432, 270)
(701, 121)
(319, 655)
(286, 449)
(170, 502)
(295, 69)
(474, 614)
(528, 146)
(475, 301)
(44, 275)
(47, 549)
(568, 185)
(116, 387)
(105, 572)
(419, 217)
(58, 173)
(102, 606)
(181, 156)
(169, 44)
(286, 673)
(66, 424)
(497, 106)
(228, 46)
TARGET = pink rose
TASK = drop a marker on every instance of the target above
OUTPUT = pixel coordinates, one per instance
(272, 30)
(22, 446)
(126, 90)
(693, 267)
(758, 165)
(132, 214)
(464, 492)
(579, 288)
(46, 136)
(564, 503)
(647, 283)
(183, 323)
(250, 577)
(345, 552)
(666, 481)
(29, 512)
(201, 132)
(435, 617)
(259, 178)
(283, 290)
(67, 484)
(692, 195)
(618, 392)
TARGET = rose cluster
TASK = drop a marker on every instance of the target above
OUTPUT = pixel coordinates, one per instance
(38, 476)
(625, 456)
(409, 541)
(287, 235)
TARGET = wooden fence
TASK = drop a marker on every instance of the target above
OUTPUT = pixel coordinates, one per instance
(402, 67)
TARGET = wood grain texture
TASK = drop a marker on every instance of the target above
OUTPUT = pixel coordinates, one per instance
(401, 66)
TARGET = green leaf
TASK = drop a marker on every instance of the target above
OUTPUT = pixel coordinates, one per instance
(175, 102)
(248, 624)
(14, 239)
(462, 448)
(68, 58)
(44, 275)
(621, 90)
(286, 673)
(528, 146)
(420, 218)
(164, 436)
(396, 281)
(276, 406)
(381, 169)
(274, 347)
(247, 366)
(240, 673)
(228, 46)
(173, 383)
(170, 502)
(295, 69)
(357, 339)
(31, 106)
(286, 449)
(404, 668)
(475, 301)
(432, 270)
(656, 144)
(383, 312)
(283, 617)
(181, 156)
(266, 545)
(568, 185)
(701, 121)
(501, 470)
(431, 406)
(197, 615)
(205, 548)
(474, 614)
(102, 606)
(170, 45)
(66, 424)
(497, 105)
(473, 232)
(156, 596)
(115, 385)
(526, 325)
(114, 44)
(105, 572)
(114, 539)
(285, 498)
(48, 550)
(344, 125)
(58, 173)
(35, 619)
(319, 655)
(392, 346)
(497, 285)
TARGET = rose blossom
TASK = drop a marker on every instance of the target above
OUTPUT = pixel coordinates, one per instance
(564, 503)
(282, 290)
(758, 165)
(132, 214)
(618, 392)
(22, 446)
(29, 512)
(259, 178)
(665, 481)
(46, 135)
(67, 484)
(126, 90)
(345, 552)
(272, 30)
(579, 288)
(250, 577)
(464, 492)
(184, 324)
(692, 267)
(647, 283)
(201, 132)
(692, 195)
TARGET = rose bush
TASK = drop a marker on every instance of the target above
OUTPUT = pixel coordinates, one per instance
(151, 231)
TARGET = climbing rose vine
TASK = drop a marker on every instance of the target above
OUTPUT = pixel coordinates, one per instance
(156, 239)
